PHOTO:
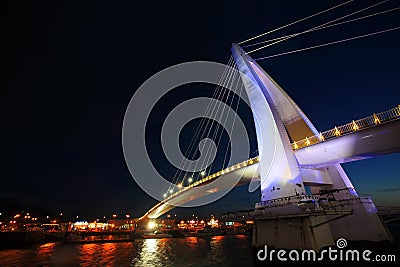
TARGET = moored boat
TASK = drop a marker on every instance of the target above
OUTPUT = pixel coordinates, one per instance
(157, 234)
(210, 232)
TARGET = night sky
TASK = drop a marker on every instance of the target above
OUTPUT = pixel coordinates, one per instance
(71, 68)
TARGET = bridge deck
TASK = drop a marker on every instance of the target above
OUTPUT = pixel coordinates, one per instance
(355, 132)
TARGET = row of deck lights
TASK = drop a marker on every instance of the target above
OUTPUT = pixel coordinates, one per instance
(232, 168)
(180, 185)
(337, 132)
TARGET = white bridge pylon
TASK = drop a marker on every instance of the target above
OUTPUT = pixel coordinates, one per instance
(282, 129)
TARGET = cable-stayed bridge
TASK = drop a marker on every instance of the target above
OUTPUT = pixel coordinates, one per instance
(307, 200)
(298, 169)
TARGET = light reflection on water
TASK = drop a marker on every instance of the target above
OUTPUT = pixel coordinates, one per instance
(189, 251)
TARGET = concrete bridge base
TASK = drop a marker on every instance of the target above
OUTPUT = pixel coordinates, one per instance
(314, 227)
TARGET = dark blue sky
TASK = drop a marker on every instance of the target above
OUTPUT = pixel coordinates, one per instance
(71, 68)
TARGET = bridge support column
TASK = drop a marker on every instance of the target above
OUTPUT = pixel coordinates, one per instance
(292, 232)
(354, 219)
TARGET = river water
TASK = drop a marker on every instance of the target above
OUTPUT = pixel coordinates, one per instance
(189, 251)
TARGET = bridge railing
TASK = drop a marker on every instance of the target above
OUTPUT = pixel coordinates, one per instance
(375, 119)
(237, 166)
